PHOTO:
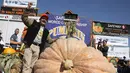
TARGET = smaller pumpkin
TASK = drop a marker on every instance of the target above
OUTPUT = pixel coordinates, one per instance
(9, 51)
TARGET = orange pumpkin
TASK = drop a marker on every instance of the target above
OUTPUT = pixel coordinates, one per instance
(72, 56)
(9, 51)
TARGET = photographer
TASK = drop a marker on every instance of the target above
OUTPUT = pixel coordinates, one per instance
(102, 46)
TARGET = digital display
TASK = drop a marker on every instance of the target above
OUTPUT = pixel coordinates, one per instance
(70, 16)
(14, 10)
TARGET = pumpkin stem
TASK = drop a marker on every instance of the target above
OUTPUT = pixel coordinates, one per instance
(68, 64)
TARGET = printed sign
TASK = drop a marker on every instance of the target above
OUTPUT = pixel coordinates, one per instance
(19, 3)
(16, 17)
(119, 51)
(102, 28)
(113, 40)
(57, 28)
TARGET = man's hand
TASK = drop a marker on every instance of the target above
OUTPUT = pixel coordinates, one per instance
(29, 10)
(30, 4)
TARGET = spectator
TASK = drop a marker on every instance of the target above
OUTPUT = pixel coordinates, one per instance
(128, 71)
(1, 42)
(14, 39)
(122, 66)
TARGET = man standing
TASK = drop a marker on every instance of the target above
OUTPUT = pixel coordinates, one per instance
(14, 39)
(34, 40)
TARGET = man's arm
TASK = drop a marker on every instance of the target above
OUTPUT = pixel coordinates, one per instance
(28, 22)
(14, 42)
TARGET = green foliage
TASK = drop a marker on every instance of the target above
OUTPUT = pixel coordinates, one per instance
(7, 61)
(98, 24)
(71, 29)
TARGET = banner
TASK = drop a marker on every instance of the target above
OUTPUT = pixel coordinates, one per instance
(102, 28)
(113, 40)
(19, 3)
(57, 28)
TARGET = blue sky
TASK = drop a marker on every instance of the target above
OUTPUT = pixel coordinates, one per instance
(115, 11)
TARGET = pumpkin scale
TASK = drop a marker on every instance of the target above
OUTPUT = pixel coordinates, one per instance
(72, 56)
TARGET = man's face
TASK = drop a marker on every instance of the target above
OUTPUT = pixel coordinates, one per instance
(104, 43)
(17, 31)
(43, 21)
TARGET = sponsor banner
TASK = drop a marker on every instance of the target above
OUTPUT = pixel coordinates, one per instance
(116, 51)
(113, 40)
(57, 28)
(19, 3)
(5, 17)
(103, 28)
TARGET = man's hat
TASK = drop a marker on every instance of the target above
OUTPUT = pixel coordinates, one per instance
(45, 16)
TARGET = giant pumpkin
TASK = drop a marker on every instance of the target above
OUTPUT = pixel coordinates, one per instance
(72, 56)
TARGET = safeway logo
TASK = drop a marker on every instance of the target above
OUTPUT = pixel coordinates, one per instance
(4, 16)
(123, 27)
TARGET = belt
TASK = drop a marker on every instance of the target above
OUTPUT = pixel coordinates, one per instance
(36, 44)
